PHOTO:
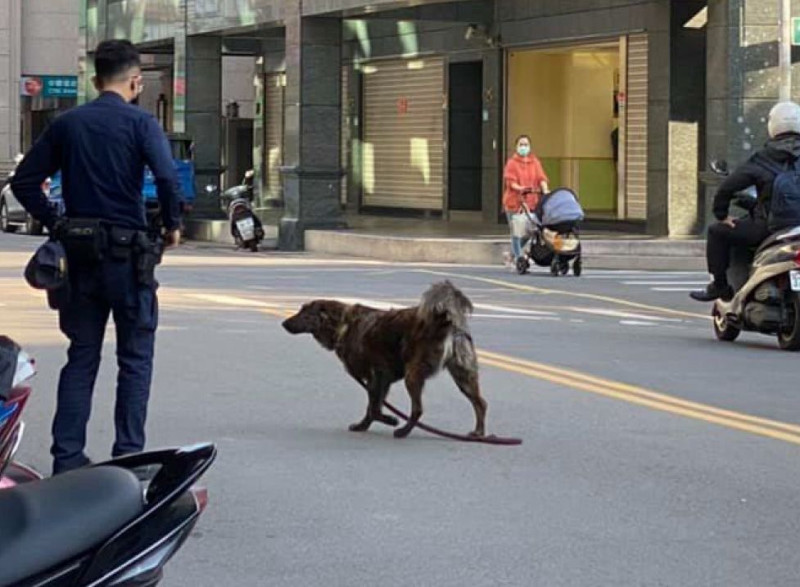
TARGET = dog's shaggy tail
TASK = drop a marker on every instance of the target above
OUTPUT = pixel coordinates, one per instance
(444, 300)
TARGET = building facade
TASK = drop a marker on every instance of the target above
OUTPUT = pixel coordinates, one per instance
(38, 68)
(411, 108)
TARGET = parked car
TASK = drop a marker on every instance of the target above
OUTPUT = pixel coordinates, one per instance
(13, 215)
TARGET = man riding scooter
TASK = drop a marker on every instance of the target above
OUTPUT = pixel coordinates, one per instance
(781, 153)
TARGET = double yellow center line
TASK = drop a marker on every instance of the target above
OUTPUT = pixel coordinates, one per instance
(644, 397)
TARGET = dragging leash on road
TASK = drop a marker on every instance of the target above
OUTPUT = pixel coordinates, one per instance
(491, 439)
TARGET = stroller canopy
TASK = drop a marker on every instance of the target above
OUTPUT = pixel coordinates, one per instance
(560, 206)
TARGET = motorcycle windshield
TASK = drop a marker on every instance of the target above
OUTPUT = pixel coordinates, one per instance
(16, 367)
(9, 352)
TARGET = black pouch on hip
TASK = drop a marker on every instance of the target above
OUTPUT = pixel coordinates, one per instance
(121, 243)
(85, 240)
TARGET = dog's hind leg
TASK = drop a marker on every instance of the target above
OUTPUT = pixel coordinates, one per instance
(415, 383)
(463, 368)
(467, 381)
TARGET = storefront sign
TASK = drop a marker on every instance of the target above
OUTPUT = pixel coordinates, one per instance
(50, 86)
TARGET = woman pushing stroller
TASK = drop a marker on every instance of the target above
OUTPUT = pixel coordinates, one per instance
(524, 182)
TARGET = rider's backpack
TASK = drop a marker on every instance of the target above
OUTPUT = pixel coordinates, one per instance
(784, 210)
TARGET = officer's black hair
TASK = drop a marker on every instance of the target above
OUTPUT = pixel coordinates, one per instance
(114, 58)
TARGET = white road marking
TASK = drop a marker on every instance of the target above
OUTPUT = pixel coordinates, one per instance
(624, 315)
(518, 317)
(232, 301)
(512, 310)
(636, 323)
(683, 289)
(670, 283)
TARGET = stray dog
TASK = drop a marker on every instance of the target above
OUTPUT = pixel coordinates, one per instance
(379, 347)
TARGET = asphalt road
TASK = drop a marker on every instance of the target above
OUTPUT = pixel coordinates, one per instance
(653, 454)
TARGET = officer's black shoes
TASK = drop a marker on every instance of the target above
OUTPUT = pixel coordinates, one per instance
(714, 291)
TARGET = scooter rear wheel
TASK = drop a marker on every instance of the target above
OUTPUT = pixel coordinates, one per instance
(789, 340)
(723, 329)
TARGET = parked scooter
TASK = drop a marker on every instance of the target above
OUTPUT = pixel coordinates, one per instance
(16, 370)
(104, 525)
(237, 203)
(766, 282)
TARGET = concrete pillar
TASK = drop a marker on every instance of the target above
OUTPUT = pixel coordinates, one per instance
(10, 60)
(658, 113)
(687, 120)
(197, 111)
(312, 128)
(743, 78)
(492, 116)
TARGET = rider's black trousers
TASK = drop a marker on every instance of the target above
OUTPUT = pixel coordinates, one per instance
(721, 238)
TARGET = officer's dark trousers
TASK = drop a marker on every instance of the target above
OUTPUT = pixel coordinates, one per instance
(106, 288)
(721, 238)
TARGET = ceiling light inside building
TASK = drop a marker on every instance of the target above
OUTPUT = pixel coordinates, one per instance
(698, 21)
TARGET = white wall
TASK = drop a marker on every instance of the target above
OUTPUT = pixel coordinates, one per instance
(237, 84)
(10, 46)
(50, 37)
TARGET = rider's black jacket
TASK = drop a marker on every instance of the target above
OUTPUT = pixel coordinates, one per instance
(782, 149)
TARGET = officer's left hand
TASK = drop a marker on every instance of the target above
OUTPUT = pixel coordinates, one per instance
(173, 238)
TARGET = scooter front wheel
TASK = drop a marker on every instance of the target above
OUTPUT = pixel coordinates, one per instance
(789, 339)
(723, 329)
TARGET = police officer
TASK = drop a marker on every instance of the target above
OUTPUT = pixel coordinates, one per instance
(101, 149)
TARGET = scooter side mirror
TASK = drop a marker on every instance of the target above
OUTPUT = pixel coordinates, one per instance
(719, 166)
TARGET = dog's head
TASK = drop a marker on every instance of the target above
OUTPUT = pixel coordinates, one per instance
(320, 318)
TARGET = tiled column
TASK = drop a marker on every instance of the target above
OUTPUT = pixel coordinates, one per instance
(312, 128)
(197, 108)
(742, 78)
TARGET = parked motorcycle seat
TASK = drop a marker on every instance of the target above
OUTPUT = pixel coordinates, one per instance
(47, 523)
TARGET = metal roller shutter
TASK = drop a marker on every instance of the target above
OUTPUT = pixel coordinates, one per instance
(636, 128)
(403, 148)
(273, 133)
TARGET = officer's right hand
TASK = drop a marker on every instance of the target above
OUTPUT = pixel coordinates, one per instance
(173, 238)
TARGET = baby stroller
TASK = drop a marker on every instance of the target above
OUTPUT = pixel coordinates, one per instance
(552, 232)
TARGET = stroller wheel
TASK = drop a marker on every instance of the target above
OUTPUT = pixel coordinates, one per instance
(555, 267)
(577, 267)
(522, 265)
(564, 268)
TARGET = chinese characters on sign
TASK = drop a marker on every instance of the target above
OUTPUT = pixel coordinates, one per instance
(49, 86)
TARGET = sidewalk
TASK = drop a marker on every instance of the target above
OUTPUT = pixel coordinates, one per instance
(435, 241)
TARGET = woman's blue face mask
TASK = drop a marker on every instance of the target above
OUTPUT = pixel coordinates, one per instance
(524, 150)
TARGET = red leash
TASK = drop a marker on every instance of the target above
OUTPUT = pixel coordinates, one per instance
(491, 439)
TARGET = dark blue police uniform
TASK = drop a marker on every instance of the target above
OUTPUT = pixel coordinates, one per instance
(101, 149)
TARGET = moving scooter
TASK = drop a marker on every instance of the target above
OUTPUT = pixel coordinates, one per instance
(237, 203)
(766, 281)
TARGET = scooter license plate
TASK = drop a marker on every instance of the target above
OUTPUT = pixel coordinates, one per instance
(794, 277)
(247, 228)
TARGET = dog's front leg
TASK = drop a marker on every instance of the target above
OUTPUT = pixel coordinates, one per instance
(367, 420)
(376, 389)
